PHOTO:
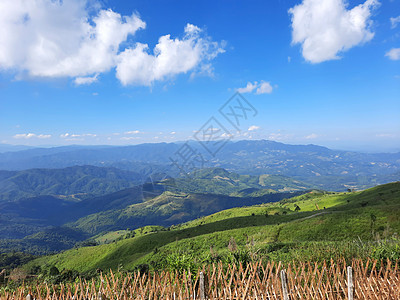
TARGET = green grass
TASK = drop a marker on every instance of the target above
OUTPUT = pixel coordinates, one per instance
(269, 231)
(112, 236)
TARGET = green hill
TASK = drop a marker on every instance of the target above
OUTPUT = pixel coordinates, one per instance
(161, 200)
(312, 226)
(77, 182)
(168, 209)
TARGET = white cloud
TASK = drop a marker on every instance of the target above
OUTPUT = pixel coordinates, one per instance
(59, 39)
(125, 138)
(69, 135)
(132, 132)
(325, 28)
(47, 38)
(172, 132)
(395, 21)
(311, 136)
(262, 87)
(393, 54)
(248, 88)
(32, 135)
(226, 135)
(86, 80)
(253, 127)
(205, 69)
(170, 57)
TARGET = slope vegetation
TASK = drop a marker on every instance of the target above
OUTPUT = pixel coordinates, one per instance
(317, 224)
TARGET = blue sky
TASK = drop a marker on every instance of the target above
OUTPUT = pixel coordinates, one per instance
(325, 72)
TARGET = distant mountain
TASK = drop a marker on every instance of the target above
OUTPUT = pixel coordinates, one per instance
(77, 182)
(66, 156)
(11, 148)
(326, 168)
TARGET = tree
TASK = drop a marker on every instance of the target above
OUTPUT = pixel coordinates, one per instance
(53, 271)
(373, 219)
(297, 208)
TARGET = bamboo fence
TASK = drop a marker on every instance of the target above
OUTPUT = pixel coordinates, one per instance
(357, 279)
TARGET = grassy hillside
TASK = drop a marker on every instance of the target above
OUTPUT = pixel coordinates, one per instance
(168, 209)
(351, 224)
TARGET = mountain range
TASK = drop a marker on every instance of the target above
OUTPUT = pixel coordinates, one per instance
(53, 198)
(326, 168)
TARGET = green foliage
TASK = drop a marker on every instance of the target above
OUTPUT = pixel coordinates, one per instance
(53, 271)
(12, 260)
(387, 249)
(343, 229)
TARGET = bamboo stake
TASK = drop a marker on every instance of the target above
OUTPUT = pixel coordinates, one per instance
(350, 286)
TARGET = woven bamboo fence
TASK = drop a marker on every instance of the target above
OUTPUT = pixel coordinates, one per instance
(357, 279)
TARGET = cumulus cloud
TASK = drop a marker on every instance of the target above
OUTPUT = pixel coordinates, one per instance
(264, 88)
(393, 54)
(59, 39)
(324, 28)
(138, 66)
(248, 88)
(394, 22)
(47, 38)
(261, 87)
(253, 127)
(32, 135)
